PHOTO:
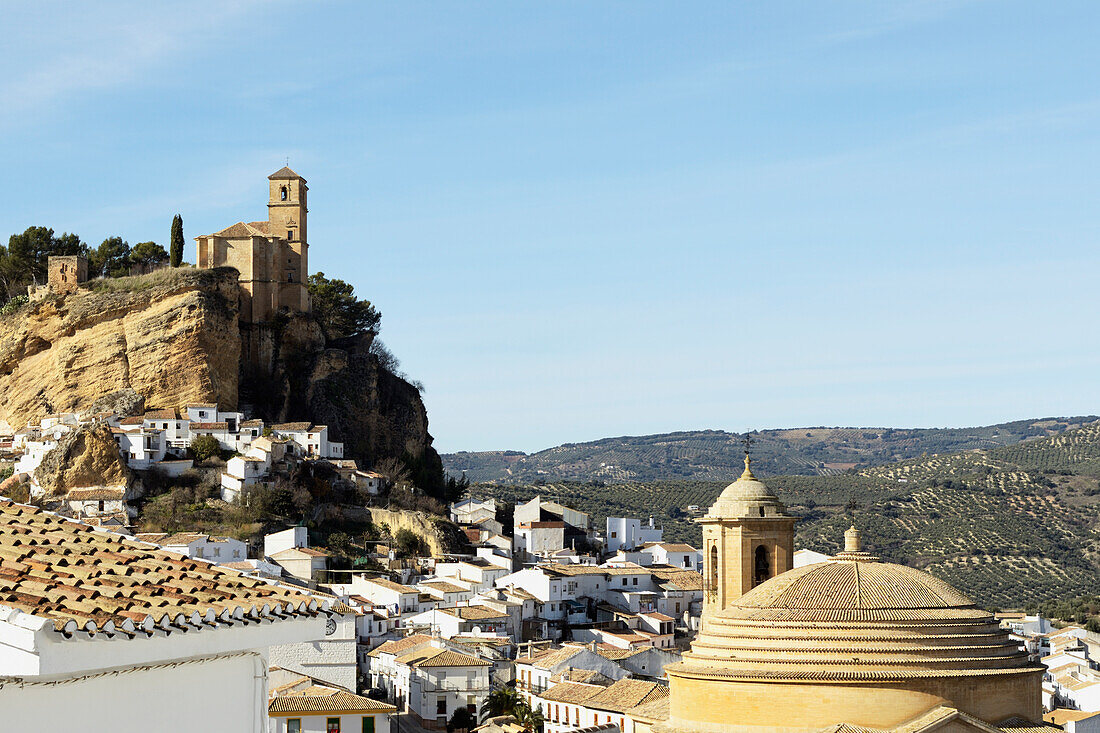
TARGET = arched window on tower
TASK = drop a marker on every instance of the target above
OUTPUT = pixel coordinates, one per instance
(284, 192)
(762, 568)
(714, 568)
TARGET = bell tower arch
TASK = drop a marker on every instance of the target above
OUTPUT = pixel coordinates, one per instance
(748, 538)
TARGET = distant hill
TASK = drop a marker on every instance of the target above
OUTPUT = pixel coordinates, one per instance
(715, 455)
(1012, 526)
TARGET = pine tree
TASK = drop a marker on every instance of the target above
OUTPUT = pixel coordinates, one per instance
(176, 245)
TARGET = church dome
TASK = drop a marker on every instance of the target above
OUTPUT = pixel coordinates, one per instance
(869, 642)
(748, 496)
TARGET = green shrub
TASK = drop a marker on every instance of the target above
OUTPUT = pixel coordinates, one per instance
(205, 446)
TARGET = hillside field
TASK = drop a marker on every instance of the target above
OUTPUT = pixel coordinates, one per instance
(714, 455)
(1012, 526)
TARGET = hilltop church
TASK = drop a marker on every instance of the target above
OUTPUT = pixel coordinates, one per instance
(271, 256)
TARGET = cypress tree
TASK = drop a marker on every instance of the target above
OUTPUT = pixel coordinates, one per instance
(176, 245)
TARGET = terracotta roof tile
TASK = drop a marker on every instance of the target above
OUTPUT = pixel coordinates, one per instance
(397, 646)
(292, 427)
(82, 578)
(96, 493)
(627, 693)
(474, 613)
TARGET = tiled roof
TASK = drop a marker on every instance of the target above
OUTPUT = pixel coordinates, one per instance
(627, 693)
(291, 551)
(151, 537)
(182, 538)
(658, 616)
(1060, 716)
(101, 582)
(433, 657)
(674, 547)
(202, 405)
(397, 646)
(616, 655)
(292, 427)
(444, 587)
(652, 711)
(261, 227)
(474, 613)
(589, 676)
(284, 173)
(390, 585)
(132, 420)
(306, 695)
(97, 493)
(252, 423)
(209, 426)
(160, 415)
(682, 579)
(550, 658)
(571, 692)
(1022, 725)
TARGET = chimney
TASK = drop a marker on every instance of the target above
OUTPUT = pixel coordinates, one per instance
(592, 645)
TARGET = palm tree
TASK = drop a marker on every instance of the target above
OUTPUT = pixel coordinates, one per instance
(503, 701)
(530, 718)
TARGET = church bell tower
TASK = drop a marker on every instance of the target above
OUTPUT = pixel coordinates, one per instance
(748, 538)
(286, 220)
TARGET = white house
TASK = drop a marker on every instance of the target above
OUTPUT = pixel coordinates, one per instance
(174, 645)
(534, 671)
(433, 681)
(176, 430)
(625, 533)
(206, 547)
(383, 662)
(472, 511)
(673, 554)
(310, 441)
(304, 563)
(97, 501)
(242, 471)
(301, 704)
(540, 539)
(451, 622)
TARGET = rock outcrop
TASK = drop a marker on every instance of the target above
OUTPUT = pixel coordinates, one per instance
(442, 536)
(83, 458)
(170, 336)
(173, 337)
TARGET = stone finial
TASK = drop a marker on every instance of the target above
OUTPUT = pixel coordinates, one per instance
(852, 540)
(748, 469)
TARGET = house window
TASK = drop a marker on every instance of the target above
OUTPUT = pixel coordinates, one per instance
(624, 581)
(294, 725)
(332, 725)
(635, 581)
(614, 535)
(217, 552)
(441, 706)
(368, 724)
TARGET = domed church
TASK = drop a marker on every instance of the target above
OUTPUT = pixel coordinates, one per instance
(852, 644)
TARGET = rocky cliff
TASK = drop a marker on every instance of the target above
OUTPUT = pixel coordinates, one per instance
(173, 337)
(170, 336)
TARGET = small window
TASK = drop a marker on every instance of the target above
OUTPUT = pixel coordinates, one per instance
(635, 581)
(283, 193)
(289, 234)
(368, 724)
(624, 581)
(332, 725)
(294, 725)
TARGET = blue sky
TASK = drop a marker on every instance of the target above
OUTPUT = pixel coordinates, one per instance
(583, 219)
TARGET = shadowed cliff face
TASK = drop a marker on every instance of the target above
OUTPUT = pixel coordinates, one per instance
(170, 336)
(373, 412)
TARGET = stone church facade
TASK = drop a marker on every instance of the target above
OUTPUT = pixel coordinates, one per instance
(271, 256)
